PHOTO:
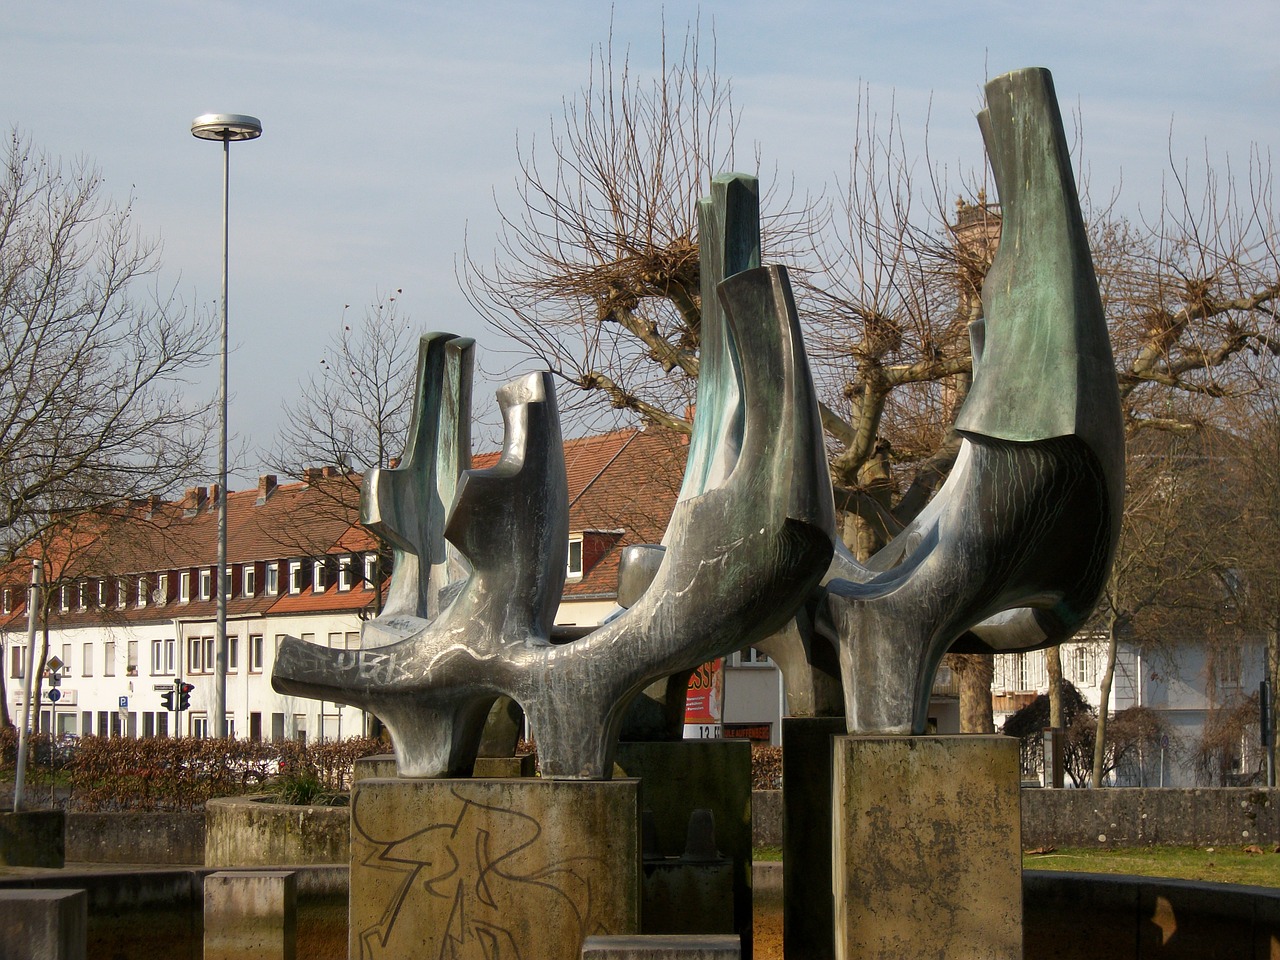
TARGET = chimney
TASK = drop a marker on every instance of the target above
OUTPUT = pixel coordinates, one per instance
(312, 474)
(214, 492)
(330, 472)
(266, 487)
(192, 500)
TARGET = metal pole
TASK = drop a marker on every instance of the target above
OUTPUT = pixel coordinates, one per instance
(220, 652)
(33, 603)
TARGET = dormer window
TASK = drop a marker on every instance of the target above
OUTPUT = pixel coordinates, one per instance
(319, 575)
(574, 569)
(122, 592)
(64, 599)
(295, 576)
(273, 579)
(6, 600)
(82, 595)
(370, 570)
(143, 588)
(228, 582)
(162, 589)
(206, 583)
(184, 586)
(249, 580)
(344, 573)
(102, 594)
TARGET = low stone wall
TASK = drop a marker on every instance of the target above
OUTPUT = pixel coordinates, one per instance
(247, 832)
(1112, 817)
(1080, 916)
(161, 838)
(145, 914)
(1128, 817)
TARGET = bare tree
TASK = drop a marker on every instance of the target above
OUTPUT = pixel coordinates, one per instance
(93, 368)
(354, 411)
(596, 276)
(1166, 582)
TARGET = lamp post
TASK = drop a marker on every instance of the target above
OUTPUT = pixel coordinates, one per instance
(225, 127)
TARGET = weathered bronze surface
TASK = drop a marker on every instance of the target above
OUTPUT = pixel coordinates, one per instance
(1014, 551)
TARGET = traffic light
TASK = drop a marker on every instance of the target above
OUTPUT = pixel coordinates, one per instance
(184, 695)
(166, 698)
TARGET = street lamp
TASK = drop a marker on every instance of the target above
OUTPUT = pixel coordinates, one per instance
(225, 127)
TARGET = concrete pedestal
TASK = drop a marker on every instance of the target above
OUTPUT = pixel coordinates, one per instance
(928, 859)
(32, 838)
(808, 920)
(44, 924)
(680, 776)
(488, 868)
(250, 915)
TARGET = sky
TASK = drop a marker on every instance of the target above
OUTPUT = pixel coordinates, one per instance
(390, 127)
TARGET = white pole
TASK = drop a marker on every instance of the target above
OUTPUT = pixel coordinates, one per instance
(33, 603)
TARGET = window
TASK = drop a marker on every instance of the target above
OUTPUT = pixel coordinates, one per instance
(162, 589)
(162, 724)
(273, 579)
(66, 659)
(64, 598)
(184, 586)
(344, 573)
(86, 662)
(255, 654)
(206, 583)
(751, 657)
(1083, 664)
(122, 592)
(1228, 668)
(249, 584)
(200, 655)
(109, 659)
(295, 576)
(157, 658)
(228, 582)
(144, 587)
(233, 654)
(319, 575)
(574, 571)
(370, 570)
(131, 665)
(17, 662)
(6, 600)
(199, 725)
(102, 594)
(1021, 675)
(82, 595)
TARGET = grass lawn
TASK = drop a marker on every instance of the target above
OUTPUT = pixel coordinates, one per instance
(1219, 864)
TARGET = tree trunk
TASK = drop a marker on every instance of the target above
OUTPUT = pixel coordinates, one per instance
(1053, 667)
(1273, 671)
(976, 672)
(1104, 691)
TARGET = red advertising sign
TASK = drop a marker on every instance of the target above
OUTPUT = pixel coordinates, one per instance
(704, 703)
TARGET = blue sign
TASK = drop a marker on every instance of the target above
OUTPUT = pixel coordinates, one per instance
(124, 703)
(55, 695)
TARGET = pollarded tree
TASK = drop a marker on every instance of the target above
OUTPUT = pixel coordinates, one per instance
(596, 276)
(94, 369)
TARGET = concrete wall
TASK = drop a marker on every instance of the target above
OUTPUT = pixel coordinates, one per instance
(143, 914)
(240, 832)
(1112, 817)
(161, 838)
(1074, 916)
(1121, 817)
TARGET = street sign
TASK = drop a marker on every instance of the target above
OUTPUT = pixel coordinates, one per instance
(55, 695)
(124, 703)
(54, 664)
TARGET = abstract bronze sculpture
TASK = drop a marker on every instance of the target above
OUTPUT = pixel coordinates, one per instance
(1011, 554)
(748, 540)
(1014, 550)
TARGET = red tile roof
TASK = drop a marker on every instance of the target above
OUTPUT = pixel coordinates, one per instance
(622, 487)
